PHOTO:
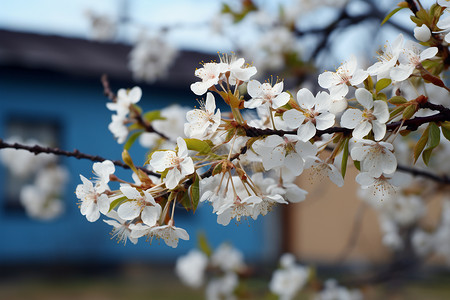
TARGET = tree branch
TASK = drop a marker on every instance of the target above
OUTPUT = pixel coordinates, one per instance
(36, 149)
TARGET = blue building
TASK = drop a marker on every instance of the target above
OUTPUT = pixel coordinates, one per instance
(53, 83)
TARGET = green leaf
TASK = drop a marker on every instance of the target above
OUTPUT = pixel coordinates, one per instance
(393, 12)
(418, 148)
(434, 137)
(217, 169)
(368, 83)
(230, 134)
(194, 192)
(204, 245)
(117, 202)
(132, 139)
(344, 159)
(153, 115)
(445, 132)
(382, 83)
(184, 199)
(200, 146)
(357, 164)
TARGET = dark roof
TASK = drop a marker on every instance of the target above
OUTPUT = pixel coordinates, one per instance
(86, 58)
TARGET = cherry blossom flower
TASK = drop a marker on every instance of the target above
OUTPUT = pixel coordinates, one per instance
(374, 116)
(203, 122)
(266, 94)
(410, 58)
(237, 209)
(102, 170)
(223, 287)
(228, 258)
(288, 151)
(323, 169)
(333, 291)
(170, 234)
(191, 268)
(239, 72)
(376, 157)
(381, 186)
(387, 59)
(140, 205)
(125, 98)
(93, 202)
(179, 164)
(444, 24)
(118, 128)
(290, 191)
(151, 57)
(314, 114)
(290, 279)
(210, 75)
(121, 230)
(347, 74)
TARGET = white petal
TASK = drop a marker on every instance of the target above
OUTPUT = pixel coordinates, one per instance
(324, 121)
(306, 131)
(293, 118)
(364, 97)
(129, 210)
(150, 214)
(362, 129)
(280, 100)
(379, 130)
(305, 98)
(381, 111)
(254, 88)
(351, 118)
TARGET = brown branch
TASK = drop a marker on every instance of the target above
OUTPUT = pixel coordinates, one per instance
(36, 149)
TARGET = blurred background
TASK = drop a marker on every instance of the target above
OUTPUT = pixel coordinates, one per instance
(52, 55)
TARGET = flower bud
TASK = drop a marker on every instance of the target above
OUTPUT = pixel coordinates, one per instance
(422, 33)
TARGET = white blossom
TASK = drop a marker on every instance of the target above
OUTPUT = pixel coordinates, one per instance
(228, 258)
(347, 74)
(323, 169)
(387, 59)
(203, 122)
(210, 76)
(271, 96)
(289, 280)
(376, 157)
(170, 234)
(288, 151)
(410, 58)
(151, 58)
(139, 205)
(373, 117)
(121, 229)
(124, 99)
(179, 164)
(314, 114)
(191, 267)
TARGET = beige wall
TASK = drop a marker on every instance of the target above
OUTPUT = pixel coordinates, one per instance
(320, 226)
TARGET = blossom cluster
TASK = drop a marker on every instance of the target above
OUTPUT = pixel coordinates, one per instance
(44, 179)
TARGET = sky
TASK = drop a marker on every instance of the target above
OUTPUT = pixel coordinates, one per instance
(68, 18)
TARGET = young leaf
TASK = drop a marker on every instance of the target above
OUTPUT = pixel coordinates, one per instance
(344, 159)
(153, 115)
(116, 202)
(357, 164)
(132, 139)
(445, 132)
(204, 245)
(184, 199)
(382, 83)
(194, 192)
(200, 146)
(418, 148)
(434, 138)
(393, 12)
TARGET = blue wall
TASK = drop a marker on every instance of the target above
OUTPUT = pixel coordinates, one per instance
(78, 105)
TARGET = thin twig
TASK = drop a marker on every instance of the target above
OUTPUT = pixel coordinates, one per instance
(36, 149)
